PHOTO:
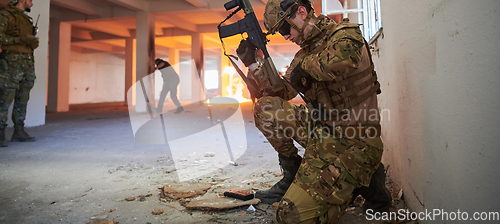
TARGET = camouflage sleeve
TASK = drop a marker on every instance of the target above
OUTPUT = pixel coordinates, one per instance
(339, 57)
(6, 39)
(287, 94)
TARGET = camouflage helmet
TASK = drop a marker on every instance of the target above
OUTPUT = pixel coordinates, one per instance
(13, 2)
(276, 11)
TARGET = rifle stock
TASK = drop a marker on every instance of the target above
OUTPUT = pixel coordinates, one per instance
(250, 25)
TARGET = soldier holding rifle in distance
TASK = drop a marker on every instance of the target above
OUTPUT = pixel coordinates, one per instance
(17, 66)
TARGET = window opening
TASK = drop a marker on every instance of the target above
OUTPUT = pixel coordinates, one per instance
(365, 12)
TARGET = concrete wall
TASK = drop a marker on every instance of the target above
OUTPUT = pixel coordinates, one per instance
(36, 106)
(185, 78)
(438, 66)
(96, 78)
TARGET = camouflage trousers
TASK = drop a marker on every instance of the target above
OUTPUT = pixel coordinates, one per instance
(282, 123)
(332, 166)
(17, 78)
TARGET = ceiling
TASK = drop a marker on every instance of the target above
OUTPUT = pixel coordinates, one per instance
(103, 25)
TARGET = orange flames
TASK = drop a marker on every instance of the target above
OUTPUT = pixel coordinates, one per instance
(234, 88)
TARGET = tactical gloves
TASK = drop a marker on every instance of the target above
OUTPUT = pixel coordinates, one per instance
(246, 52)
(300, 79)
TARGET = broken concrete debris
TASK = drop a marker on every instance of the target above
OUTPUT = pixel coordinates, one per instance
(219, 203)
(102, 215)
(103, 221)
(140, 197)
(179, 191)
(158, 211)
(209, 154)
(143, 197)
(182, 191)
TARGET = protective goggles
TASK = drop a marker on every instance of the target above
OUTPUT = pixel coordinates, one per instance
(285, 28)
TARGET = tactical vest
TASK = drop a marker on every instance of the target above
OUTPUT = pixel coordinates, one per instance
(19, 25)
(333, 98)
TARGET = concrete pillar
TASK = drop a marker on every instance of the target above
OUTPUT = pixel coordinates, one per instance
(59, 62)
(185, 85)
(224, 76)
(38, 96)
(219, 69)
(173, 59)
(197, 67)
(129, 66)
(145, 56)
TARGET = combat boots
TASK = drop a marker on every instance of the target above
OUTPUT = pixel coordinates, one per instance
(377, 196)
(20, 135)
(179, 109)
(3, 141)
(289, 166)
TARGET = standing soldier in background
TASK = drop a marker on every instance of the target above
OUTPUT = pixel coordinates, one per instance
(170, 82)
(334, 72)
(17, 71)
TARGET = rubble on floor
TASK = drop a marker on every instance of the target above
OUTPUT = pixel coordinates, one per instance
(103, 221)
(158, 211)
(178, 191)
(219, 203)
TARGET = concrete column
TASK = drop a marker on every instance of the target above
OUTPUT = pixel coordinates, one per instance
(219, 69)
(38, 96)
(59, 62)
(173, 59)
(145, 56)
(224, 76)
(197, 67)
(129, 66)
(185, 84)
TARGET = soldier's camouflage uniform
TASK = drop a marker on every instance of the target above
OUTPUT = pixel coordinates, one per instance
(17, 73)
(333, 165)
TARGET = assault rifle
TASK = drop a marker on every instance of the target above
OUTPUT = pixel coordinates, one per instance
(250, 25)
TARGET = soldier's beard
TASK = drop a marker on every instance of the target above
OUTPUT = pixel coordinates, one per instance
(26, 8)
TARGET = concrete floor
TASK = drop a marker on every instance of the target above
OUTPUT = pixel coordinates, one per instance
(86, 162)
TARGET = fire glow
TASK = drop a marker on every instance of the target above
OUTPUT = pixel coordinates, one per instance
(234, 88)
